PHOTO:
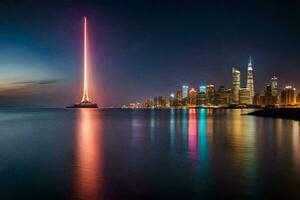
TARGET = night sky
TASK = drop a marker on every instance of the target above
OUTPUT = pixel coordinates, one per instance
(141, 49)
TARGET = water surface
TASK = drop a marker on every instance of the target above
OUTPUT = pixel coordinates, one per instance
(147, 154)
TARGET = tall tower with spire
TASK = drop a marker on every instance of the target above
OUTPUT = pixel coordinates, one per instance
(250, 80)
(85, 102)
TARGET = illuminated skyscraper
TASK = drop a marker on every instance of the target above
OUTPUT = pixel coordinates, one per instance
(171, 100)
(179, 95)
(210, 94)
(244, 96)
(236, 84)
(202, 88)
(229, 96)
(288, 96)
(201, 96)
(274, 86)
(274, 90)
(250, 82)
(185, 91)
(221, 98)
(159, 102)
(149, 103)
(192, 97)
(268, 96)
(258, 100)
(298, 98)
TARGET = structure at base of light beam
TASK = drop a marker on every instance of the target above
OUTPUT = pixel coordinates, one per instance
(85, 102)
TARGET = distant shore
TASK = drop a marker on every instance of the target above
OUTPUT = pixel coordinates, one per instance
(195, 107)
(285, 113)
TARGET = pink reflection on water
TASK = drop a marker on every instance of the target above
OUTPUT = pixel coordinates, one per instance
(193, 132)
(88, 156)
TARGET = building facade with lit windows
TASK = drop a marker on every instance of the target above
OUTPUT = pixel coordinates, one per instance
(274, 86)
(258, 100)
(298, 98)
(244, 96)
(250, 80)
(274, 90)
(229, 96)
(179, 95)
(236, 84)
(210, 94)
(288, 97)
(221, 98)
(185, 91)
(268, 96)
(192, 97)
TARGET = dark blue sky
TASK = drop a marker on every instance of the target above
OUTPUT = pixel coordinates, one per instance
(142, 48)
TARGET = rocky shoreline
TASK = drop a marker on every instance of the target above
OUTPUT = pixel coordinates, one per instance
(285, 113)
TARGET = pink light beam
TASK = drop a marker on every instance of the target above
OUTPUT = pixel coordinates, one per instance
(85, 97)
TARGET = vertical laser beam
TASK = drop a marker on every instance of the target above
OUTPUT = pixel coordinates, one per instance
(85, 97)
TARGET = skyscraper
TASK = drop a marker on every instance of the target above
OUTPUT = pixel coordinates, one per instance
(229, 96)
(159, 102)
(274, 85)
(171, 100)
(221, 99)
(258, 100)
(149, 103)
(250, 82)
(268, 96)
(298, 98)
(178, 99)
(236, 84)
(210, 94)
(185, 91)
(288, 96)
(179, 95)
(202, 88)
(201, 96)
(274, 90)
(192, 97)
(244, 96)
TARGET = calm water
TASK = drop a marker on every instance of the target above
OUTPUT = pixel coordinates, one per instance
(150, 154)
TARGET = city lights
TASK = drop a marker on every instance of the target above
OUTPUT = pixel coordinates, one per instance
(236, 96)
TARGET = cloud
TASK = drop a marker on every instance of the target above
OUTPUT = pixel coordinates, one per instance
(33, 92)
(28, 87)
(40, 82)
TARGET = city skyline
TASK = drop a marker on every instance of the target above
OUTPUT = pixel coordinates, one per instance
(207, 94)
(149, 99)
(172, 44)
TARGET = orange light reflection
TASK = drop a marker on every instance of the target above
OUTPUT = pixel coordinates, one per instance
(88, 156)
(296, 146)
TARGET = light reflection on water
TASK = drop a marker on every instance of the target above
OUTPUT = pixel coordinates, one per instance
(88, 155)
(172, 130)
(296, 147)
(184, 131)
(202, 140)
(146, 154)
(193, 132)
(222, 148)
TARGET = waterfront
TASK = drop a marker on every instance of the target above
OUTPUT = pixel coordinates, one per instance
(147, 154)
